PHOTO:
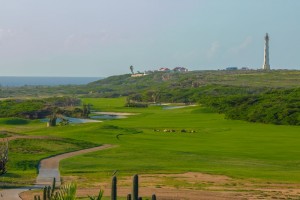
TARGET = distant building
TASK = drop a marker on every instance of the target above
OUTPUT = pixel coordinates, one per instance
(245, 68)
(231, 68)
(164, 69)
(180, 69)
(138, 75)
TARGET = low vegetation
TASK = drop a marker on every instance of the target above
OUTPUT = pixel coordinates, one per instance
(3, 156)
(42, 108)
(255, 96)
(281, 107)
(201, 138)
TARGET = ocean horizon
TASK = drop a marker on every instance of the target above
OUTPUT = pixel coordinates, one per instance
(18, 81)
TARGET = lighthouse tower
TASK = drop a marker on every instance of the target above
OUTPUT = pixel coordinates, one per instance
(266, 65)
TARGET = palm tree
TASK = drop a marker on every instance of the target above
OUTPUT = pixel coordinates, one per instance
(131, 69)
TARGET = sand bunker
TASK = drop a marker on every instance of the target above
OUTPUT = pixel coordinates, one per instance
(114, 113)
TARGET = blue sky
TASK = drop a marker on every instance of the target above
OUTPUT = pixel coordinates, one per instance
(104, 37)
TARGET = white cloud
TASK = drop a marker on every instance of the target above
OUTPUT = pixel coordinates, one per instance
(212, 51)
(242, 46)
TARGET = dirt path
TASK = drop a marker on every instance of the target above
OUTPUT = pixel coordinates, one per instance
(48, 169)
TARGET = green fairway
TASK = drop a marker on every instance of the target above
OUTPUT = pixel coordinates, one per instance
(218, 146)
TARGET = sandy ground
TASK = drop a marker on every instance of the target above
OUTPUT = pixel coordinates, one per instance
(114, 113)
(193, 186)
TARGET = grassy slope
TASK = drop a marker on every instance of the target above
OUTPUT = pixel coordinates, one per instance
(254, 78)
(117, 84)
(25, 154)
(234, 148)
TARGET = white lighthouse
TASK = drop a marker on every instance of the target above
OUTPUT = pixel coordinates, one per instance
(266, 65)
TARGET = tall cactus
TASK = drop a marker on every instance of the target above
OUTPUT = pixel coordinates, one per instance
(45, 193)
(48, 192)
(114, 188)
(53, 186)
(153, 197)
(135, 188)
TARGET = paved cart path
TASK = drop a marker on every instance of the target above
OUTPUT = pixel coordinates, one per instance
(48, 169)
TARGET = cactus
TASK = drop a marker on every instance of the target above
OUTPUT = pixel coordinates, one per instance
(135, 188)
(37, 197)
(69, 190)
(48, 192)
(53, 187)
(114, 188)
(45, 193)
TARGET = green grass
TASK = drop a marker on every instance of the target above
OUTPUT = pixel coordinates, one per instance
(25, 154)
(234, 148)
(220, 146)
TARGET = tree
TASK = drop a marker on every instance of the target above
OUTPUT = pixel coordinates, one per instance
(52, 119)
(86, 110)
(131, 69)
(3, 156)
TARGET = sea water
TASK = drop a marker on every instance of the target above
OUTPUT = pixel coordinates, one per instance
(16, 81)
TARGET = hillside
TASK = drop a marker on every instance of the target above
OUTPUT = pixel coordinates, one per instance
(125, 84)
(256, 96)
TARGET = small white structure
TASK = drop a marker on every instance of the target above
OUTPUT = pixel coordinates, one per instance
(180, 69)
(138, 75)
(266, 65)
